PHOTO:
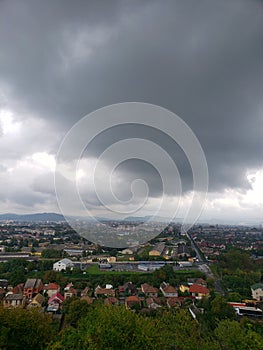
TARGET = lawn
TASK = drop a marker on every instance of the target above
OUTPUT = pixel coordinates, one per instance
(94, 270)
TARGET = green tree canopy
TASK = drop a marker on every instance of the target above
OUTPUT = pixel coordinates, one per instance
(24, 329)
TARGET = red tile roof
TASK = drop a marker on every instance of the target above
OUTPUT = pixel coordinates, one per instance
(169, 289)
(153, 300)
(133, 298)
(111, 301)
(174, 301)
(146, 288)
(105, 291)
(56, 296)
(197, 288)
(52, 286)
(201, 281)
(18, 289)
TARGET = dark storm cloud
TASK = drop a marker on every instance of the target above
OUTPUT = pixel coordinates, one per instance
(202, 60)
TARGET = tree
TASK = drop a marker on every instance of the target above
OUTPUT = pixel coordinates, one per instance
(231, 336)
(17, 276)
(24, 329)
(234, 296)
(221, 309)
(114, 327)
(77, 309)
(52, 253)
(49, 276)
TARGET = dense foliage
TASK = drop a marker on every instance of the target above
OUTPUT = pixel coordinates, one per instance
(98, 327)
(25, 329)
(105, 327)
(238, 271)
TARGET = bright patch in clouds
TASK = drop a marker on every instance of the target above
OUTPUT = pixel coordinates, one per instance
(255, 195)
(243, 206)
(44, 160)
(8, 125)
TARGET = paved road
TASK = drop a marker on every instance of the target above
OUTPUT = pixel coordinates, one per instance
(204, 267)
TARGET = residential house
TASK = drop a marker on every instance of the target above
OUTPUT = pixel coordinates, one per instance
(198, 291)
(183, 288)
(62, 264)
(85, 292)
(37, 301)
(168, 290)
(68, 286)
(149, 290)
(71, 292)
(183, 251)
(111, 301)
(128, 289)
(55, 302)
(32, 287)
(51, 289)
(157, 250)
(18, 289)
(132, 301)
(200, 281)
(257, 291)
(173, 302)
(153, 303)
(107, 292)
(14, 300)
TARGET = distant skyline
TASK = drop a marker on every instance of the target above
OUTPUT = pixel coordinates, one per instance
(202, 60)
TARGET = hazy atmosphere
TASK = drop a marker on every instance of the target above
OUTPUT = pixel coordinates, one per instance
(202, 60)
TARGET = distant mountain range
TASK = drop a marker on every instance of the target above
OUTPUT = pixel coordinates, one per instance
(54, 217)
(32, 217)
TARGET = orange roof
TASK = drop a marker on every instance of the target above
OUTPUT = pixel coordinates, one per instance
(174, 301)
(71, 290)
(201, 281)
(18, 289)
(146, 288)
(152, 300)
(111, 300)
(197, 288)
(133, 298)
(169, 289)
(105, 291)
(52, 286)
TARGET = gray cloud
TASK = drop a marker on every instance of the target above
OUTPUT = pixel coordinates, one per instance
(202, 60)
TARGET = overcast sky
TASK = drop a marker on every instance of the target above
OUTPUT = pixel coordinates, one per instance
(203, 60)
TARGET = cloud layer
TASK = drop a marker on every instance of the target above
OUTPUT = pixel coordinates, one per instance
(202, 60)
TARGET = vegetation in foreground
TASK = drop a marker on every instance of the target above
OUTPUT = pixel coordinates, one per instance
(113, 327)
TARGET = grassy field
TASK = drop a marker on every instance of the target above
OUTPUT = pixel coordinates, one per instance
(94, 270)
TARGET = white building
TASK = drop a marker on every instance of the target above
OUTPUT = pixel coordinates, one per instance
(257, 291)
(62, 264)
(49, 233)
